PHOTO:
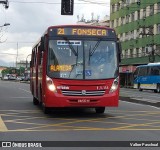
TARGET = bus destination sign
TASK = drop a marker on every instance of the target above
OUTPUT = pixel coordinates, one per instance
(82, 31)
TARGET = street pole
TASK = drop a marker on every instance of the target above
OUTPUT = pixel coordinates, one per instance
(17, 55)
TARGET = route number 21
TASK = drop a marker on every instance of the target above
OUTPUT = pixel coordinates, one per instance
(60, 31)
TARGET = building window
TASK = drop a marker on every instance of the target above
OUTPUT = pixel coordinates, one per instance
(117, 22)
(118, 6)
(127, 18)
(140, 52)
(137, 52)
(132, 35)
(127, 36)
(158, 7)
(137, 34)
(127, 2)
(112, 23)
(158, 29)
(143, 51)
(158, 49)
(131, 53)
(151, 10)
(132, 17)
(138, 15)
(122, 4)
(144, 13)
(122, 20)
(121, 37)
(126, 54)
(113, 8)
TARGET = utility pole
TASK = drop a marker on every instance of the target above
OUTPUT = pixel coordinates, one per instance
(17, 55)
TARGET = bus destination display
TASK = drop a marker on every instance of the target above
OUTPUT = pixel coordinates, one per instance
(82, 31)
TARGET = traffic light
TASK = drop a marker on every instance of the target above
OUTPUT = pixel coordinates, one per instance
(138, 2)
(67, 7)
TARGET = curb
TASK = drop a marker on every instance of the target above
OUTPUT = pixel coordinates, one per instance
(128, 99)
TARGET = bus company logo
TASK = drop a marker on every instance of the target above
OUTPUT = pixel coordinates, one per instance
(83, 92)
(6, 144)
(63, 87)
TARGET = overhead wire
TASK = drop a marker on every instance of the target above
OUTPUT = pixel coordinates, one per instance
(41, 2)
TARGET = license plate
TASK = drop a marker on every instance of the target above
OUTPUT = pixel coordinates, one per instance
(83, 100)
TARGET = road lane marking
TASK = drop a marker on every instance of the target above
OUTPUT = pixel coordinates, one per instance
(137, 125)
(20, 97)
(69, 125)
(3, 127)
(140, 104)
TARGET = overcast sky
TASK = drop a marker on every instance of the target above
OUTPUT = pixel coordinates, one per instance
(28, 21)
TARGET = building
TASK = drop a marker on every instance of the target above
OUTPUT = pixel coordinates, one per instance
(137, 25)
(95, 22)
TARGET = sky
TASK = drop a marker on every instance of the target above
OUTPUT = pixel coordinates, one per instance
(30, 18)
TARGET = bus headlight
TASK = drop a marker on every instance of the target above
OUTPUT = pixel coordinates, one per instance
(114, 86)
(50, 84)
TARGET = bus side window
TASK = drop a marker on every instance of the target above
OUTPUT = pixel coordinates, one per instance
(155, 71)
(143, 71)
(40, 56)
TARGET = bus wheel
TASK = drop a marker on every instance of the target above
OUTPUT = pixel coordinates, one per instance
(139, 87)
(35, 101)
(100, 110)
(158, 89)
(45, 109)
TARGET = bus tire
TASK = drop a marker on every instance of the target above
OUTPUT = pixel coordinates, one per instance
(157, 89)
(35, 101)
(100, 110)
(139, 87)
(45, 109)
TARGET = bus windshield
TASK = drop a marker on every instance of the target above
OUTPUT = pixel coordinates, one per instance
(82, 59)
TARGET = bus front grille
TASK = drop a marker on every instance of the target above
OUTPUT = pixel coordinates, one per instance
(83, 93)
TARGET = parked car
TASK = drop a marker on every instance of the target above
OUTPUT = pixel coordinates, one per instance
(12, 77)
(5, 77)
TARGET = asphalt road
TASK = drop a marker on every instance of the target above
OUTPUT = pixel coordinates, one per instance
(147, 97)
(21, 120)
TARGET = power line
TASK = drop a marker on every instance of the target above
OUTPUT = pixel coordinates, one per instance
(7, 54)
(51, 3)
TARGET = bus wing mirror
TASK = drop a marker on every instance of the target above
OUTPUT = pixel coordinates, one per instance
(42, 48)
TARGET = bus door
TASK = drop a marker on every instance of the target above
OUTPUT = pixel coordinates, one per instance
(35, 73)
(142, 79)
(39, 73)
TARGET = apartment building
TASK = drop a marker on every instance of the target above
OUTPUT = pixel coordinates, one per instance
(137, 24)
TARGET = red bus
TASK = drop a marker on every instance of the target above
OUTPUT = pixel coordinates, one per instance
(76, 66)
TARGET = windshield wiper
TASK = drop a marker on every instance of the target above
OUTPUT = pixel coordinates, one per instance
(94, 48)
(70, 46)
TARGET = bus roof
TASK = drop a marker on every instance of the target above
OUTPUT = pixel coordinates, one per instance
(69, 26)
(150, 64)
(89, 26)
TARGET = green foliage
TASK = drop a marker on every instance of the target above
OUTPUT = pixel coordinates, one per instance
(12, 70)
